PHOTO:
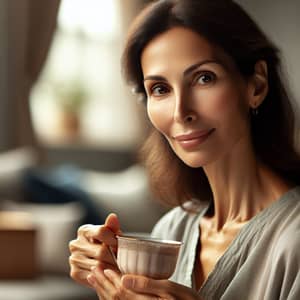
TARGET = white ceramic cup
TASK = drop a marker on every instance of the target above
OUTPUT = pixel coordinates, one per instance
(145, 256)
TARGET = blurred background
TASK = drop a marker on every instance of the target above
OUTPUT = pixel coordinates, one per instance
(70, 130)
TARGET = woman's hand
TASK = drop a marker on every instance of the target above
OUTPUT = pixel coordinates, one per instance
(109, 285)
(90, 249)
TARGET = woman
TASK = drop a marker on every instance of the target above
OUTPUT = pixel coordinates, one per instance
(221, 150)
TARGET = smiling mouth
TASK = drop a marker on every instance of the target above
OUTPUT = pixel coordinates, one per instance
(193, 139)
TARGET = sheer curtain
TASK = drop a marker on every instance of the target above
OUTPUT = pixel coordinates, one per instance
(28, 29)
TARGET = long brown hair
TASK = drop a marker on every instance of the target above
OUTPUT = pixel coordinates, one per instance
(226, 25)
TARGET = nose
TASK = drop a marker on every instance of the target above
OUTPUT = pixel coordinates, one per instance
(183, 110)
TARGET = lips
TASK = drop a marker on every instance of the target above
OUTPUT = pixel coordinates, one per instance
(194, 138)
(193, 135)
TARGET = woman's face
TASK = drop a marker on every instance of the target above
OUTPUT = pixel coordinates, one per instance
(195, 96)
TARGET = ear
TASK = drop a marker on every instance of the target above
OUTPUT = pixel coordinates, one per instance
(258, 84)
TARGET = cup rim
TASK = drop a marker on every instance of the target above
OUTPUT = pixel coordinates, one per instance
(149, 239)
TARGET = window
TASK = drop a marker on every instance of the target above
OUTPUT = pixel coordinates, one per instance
(80, 96)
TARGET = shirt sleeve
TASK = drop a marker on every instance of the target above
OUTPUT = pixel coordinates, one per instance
(283, 278)
(290, 258)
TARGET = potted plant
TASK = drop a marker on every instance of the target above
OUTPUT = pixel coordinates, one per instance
(71, 97)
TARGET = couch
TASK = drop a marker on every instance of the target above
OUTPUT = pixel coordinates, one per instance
(124, 192)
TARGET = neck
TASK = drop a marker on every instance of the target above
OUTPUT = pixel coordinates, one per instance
(241, 186)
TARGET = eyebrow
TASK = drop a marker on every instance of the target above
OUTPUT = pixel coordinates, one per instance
(187, 71)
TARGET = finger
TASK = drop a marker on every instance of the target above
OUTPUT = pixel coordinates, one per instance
(96, 234)
(101, 292)
(147, 285)
(164, 289)
(106, 236)
(107, 232)
(85, 248)
(101, 233)
(122, 291)
(86, 231)
(82, 262)
(91, 251)
(104, 255)
(103, 285)
(102, 280)
(113, 277)
(112, 222)
(105, 266)
(80, 276)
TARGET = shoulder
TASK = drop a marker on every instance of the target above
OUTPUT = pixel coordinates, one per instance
(288, 231)
(288, 242)
(173, 224)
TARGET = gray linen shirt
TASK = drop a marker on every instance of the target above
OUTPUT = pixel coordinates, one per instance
(261, 263)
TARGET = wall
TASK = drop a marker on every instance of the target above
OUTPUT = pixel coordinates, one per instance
(280, 20)
(3, 75)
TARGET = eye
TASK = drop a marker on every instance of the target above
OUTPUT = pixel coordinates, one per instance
(159, 89)
(205, 78)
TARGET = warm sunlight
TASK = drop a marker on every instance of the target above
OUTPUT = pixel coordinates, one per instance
(96, 18)
(82, 80)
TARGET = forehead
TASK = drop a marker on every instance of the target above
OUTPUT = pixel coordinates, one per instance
(179, 47)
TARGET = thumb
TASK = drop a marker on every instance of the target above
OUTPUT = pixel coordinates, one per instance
(112, 222)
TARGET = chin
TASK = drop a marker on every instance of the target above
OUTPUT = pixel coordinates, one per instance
(194, 165)
(194, 159)
(195, 162)
(198, 158)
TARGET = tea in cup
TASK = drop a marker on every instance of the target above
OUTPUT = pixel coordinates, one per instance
(154, 258)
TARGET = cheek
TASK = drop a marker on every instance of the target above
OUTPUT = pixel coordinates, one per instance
(231, 118)
(226, 106)
(160, 116)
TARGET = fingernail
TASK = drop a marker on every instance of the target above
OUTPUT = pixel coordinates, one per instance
(108, 273)
(93, 268)
(91, 279)
(128, 282)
